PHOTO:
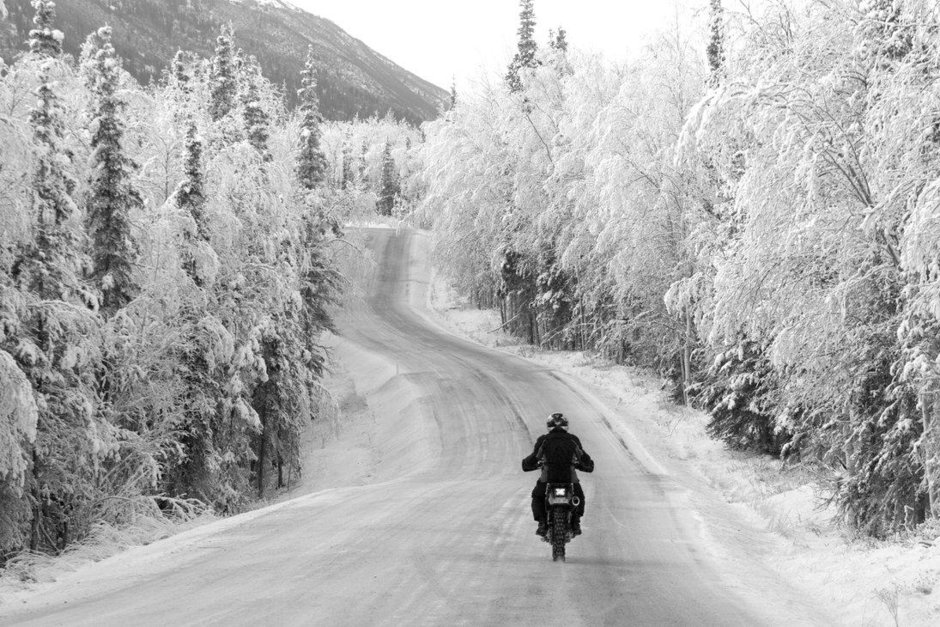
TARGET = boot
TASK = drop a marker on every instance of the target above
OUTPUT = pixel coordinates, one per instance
(576, 526)
(543, 528)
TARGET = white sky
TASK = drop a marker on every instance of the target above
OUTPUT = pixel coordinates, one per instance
(439, 39)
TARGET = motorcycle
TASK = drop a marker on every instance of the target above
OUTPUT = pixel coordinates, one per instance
(560, 503)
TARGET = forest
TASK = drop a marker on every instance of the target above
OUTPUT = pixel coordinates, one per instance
(168, 267)
(753, 215)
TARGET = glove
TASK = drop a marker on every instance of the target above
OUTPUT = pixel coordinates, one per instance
(585, 465)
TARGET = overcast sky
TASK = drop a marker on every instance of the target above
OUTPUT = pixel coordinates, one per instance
(438, 39)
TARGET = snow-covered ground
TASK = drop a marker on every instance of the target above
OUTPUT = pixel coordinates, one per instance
(863, 582)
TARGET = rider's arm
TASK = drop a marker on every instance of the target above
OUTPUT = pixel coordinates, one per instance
(584, 463)
(532, 461)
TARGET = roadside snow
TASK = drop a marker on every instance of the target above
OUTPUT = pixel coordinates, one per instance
(862, 581)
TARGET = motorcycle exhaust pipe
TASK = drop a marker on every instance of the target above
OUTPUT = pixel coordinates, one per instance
(575, 501)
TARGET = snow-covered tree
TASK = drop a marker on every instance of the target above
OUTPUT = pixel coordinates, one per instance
(113, 198)
(390, 184)
(311, 162)
(179, 70)
(55, 339)
(346, 176)
(716, 41)
(44, 39)
(558, 40)
(525, 57)
(224, 82)
(256, 119)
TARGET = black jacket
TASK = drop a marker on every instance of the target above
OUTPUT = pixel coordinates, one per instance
(561, 473)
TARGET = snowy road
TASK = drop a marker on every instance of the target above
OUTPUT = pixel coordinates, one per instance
(444, 535)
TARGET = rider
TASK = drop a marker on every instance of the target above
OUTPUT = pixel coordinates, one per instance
(557, 439)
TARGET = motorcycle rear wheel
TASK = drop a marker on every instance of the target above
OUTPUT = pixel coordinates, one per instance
(559, 533)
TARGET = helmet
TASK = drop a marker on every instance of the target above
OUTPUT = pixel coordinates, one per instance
(557, 420)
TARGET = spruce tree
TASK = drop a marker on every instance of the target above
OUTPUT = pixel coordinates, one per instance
(715, 51)
(361, 167)
(346, 178)
(180, 72)
(190, 197)
(558, 43)
(52, 185)
(54, 331)
(45, 40)
(113, 197)
(311, 163)
(391, 186)
(223, 84)
(525, 55)
(257, 123)
(453, 94)
(558, 40)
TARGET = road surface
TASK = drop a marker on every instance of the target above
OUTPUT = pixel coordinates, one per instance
(444, 536)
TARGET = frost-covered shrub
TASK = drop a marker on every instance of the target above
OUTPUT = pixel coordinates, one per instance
(740, 395)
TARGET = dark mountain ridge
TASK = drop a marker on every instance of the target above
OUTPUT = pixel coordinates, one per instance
(354, 79)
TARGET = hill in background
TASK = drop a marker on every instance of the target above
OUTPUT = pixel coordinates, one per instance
(354, 79)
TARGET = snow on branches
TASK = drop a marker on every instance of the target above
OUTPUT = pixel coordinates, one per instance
(159, 324)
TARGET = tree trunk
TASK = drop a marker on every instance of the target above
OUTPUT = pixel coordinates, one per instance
(687, 358)
(261, 451)
(37, 507)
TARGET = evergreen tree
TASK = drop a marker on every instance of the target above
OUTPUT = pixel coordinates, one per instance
(715, 51)
(223, 84)
(311, 162)
(45, 40)
(346, 177)
(525, 56)
(113, 197)
(190, 195)
(885, 33)
(453, 94)
(362, 161)
(558, 41)
(179, 70)
(53, 186)
(49, 265)
(391, 186)
(52, 349)
(739, 395)
(257, 122)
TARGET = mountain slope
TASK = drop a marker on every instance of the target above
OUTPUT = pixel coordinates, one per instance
(355, 80)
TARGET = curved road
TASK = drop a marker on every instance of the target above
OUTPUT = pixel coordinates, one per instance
(448, 540)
